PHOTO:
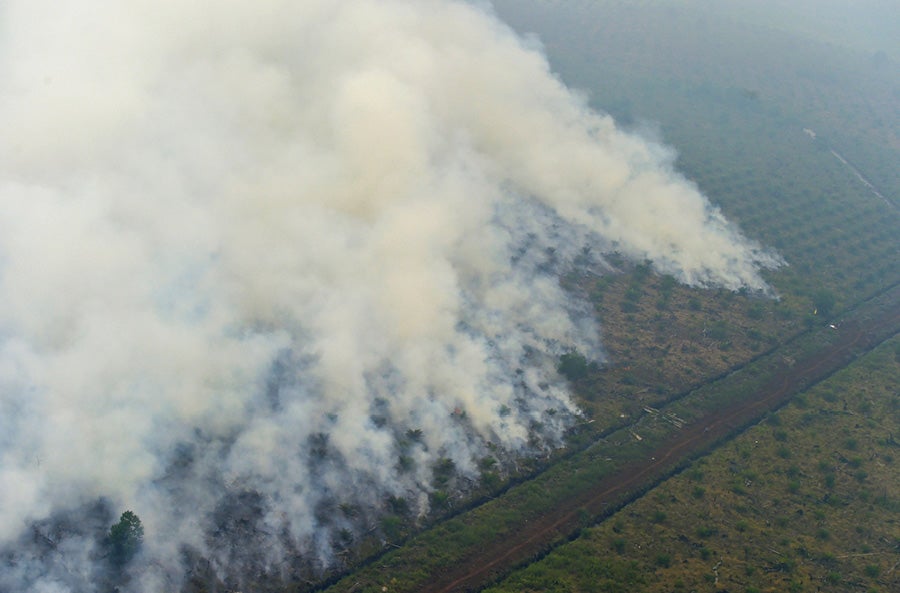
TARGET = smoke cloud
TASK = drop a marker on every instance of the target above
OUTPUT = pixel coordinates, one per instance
(253, 254)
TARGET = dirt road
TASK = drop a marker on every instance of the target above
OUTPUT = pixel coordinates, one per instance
(849, 339)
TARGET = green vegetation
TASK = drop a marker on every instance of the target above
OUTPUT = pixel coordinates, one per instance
(573, 366)
(125, 539)
(555, 494)
(788, 524)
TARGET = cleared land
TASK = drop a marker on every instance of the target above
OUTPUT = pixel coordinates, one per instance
(649, 459)
(695, 437)
(807, 500)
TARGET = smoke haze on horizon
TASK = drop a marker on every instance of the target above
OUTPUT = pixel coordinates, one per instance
(245, 247)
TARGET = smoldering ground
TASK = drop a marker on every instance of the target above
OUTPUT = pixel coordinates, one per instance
(253, 255)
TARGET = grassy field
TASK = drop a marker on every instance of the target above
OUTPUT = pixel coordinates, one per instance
(575, 491)
(807, 500)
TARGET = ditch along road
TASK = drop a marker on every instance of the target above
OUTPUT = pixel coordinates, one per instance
(860, 331)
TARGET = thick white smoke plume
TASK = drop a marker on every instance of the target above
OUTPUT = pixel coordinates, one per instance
(296, 252)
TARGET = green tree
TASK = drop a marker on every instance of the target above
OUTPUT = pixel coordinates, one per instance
(824, 300)
(125, 539)
(573, 366)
